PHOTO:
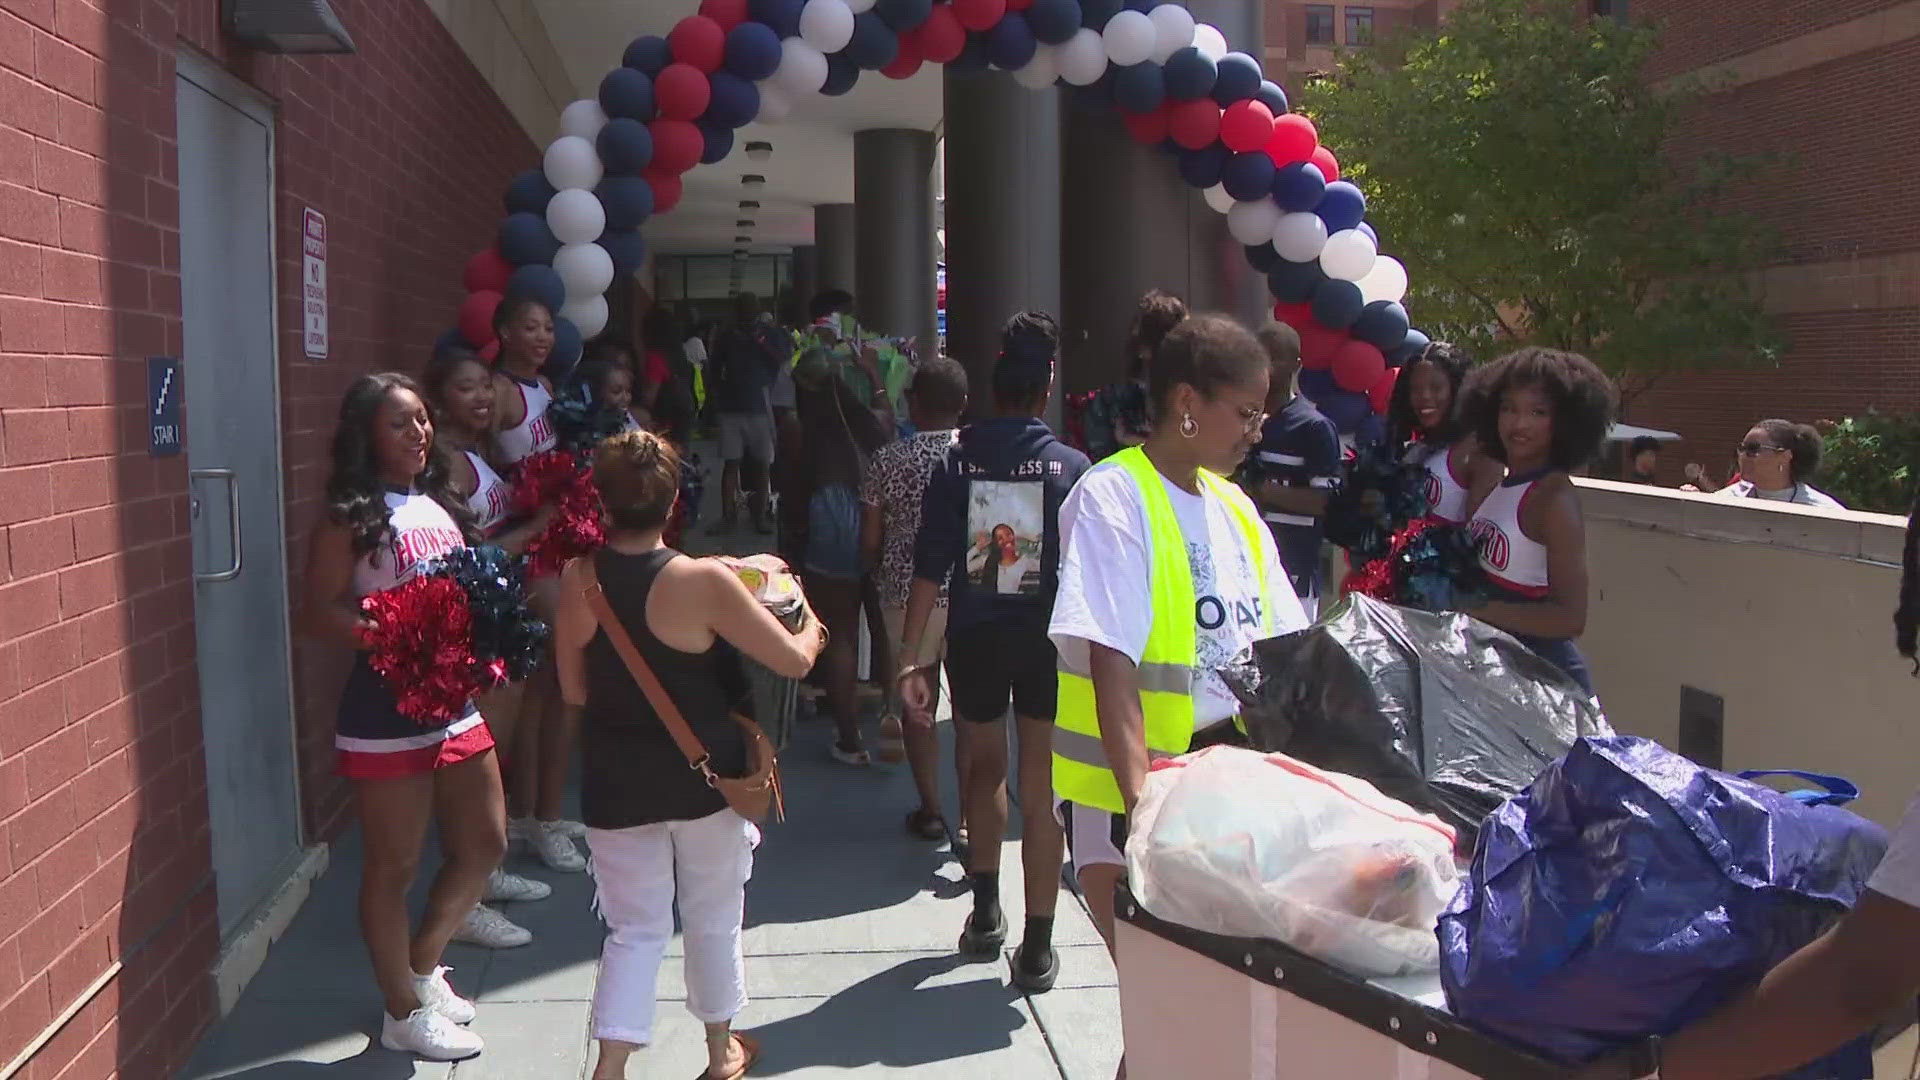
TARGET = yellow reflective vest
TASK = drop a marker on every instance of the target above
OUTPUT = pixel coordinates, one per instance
(1165, 674)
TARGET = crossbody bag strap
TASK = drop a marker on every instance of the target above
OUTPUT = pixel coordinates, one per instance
(662, 702)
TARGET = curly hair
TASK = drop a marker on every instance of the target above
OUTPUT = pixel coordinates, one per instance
(1158, 313)
(1453, 362)
(1581, 395)
(1803, 444)
(356, 493)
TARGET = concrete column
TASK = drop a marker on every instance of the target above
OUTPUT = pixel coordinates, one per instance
(1003, 215)
(806, 276)
(1129, 224)
(834, 247)
(893, 213)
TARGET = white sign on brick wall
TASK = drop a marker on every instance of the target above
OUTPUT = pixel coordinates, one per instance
(313, 281)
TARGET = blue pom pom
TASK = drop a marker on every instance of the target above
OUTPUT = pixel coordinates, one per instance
(1190, 74)
(842, 73)
(529, 193)
(648, 55)
(1294, 282)
(735, 101)
(780, 16)
(539, 282)
(626, 92)
(526, 240)
(1201, 168)
(1140, 88)
(1236, 78)
(874, 45)
(1011, 44)
(1298, 187)
(1248, 175)
(628, 201)
(1337, 304)
(1053, 22)
(626, 146)
(1272, 96)
(902, 16)
(753, 50)
(1342, 206)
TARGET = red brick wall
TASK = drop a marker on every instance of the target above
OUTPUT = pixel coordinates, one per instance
(103, 821)
(1699, 32)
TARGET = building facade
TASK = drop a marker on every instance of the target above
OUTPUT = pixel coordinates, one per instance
(1303, 39)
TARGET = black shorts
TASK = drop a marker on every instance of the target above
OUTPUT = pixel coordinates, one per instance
(992, 665)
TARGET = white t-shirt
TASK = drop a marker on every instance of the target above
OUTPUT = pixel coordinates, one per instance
(1104, 573)
(1803, 494)
(1898, 875)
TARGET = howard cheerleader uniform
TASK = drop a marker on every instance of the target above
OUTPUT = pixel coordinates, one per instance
(1516, 567)
(534, 433)
(1446, 493)
(492, 497)
(374, 741)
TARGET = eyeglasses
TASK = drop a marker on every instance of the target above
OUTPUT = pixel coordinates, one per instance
(1754, 449)
(1251, 419)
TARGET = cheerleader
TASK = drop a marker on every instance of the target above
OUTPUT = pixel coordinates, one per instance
(391, 507)
(1425, 425)
(524, 328)
(1543, 414)
(609, 384)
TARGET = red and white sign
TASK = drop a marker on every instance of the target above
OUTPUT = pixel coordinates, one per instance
(313, 282)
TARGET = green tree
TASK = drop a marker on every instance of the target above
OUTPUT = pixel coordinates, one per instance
(1526, 172)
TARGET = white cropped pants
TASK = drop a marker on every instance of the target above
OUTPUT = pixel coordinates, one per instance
(639, 873)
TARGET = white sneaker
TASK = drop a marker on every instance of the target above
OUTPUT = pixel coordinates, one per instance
(553, 847)
(489, 929)
(435, 993)
(503, 887)
(572, 830)
(425, 1033)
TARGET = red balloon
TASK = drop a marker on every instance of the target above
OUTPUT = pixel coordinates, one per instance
(1357, 366)
(490, 352)
(1147, 128)
(487, 271)
(942, 38)
(666, 190)
(677, 146)
(682, 92)
(476, 317)
(1293, 139)
(1329, 165)
(978, 15)
(1318, 345)
(1381, 395)
(1246, 126)
(909, 59)
(1297, 316)
(1194, 124)
(727, 14)
(699, 41)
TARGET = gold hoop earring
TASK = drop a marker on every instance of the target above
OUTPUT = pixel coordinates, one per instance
(1189, 427)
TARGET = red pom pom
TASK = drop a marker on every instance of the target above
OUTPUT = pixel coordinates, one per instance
(942, 38)
(1328, 164)
(476, 318)
(421, 646)
(1318, 345)
(699, 41)
(1293, 140)
(677, 146)
(979, 15)
(1357, 365)
(487, 271)
(1380, 395)
(1194, 124)
(1147, 128)
(563, 481)
(1246, 126)
(726, 14)
(682, 92)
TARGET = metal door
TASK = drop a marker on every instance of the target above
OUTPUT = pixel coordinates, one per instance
(233, 454)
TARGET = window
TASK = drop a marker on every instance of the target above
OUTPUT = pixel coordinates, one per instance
(1359, 26)
(1319, 24)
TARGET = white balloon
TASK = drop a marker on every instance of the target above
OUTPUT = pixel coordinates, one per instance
(1252, 222)
(1210, 41)
(1218, 198)
(1040, 71)
(584, 118)
(1299, 237)
(1348, 255)
(858, 6)
(1172, 31)
(576, 216)
(1386, 281)
(775, 103)
(586, 269)
(1083, 59)
(589, 314)
(572, 162)
(1129, 37)
(827, 25)
(802, 70)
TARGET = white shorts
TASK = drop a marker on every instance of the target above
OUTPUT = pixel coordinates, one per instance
(746, 435)
(1095, 837)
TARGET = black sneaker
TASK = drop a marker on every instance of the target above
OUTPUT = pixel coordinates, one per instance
(1035, 981)
(983, 943)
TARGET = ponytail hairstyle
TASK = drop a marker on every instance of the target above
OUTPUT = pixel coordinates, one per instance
(1158, 313)
(1906, 618)
(1802, 443)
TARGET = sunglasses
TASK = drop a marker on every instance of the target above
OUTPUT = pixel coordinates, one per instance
(1754, 449)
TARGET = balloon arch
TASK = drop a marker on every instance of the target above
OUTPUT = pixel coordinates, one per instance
(574, 225)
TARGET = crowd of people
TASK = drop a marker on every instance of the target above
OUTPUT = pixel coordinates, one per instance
(1089, 595)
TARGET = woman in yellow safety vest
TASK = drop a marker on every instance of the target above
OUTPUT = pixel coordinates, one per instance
(1166, 574)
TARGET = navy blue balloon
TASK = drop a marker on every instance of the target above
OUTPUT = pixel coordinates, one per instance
(648, 55)
(874, 45)
(628, 201)
(540, 282)
(1236, 78)
(1272, 96)
(525, 239)
(1095, 13)
(567, 348)
(627, 247)
(626, 146)
(1316, 384)
(1201, 168)
(973, 55)
(903, 15)
(1190, 74)
(1054, 21)
(1298, 187)
(753, 50)
(1140, 88)
(1248, 176)
(1011, 44)
(780, 16)
(842, 73)
(529, 193)
(1410, 347)
(1337, 304)
(1262, 257)
(1342, 206)
(718, 141)
(1141, 6)
(626, 92)
(452, 339)
(1371, 235)
(1383, 325)
(1295, 282)
(1345, 408)
(735, 101)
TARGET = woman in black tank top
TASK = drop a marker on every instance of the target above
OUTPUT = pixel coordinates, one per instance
(661, 837)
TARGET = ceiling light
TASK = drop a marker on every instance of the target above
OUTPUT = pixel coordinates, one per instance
(739, 253)
(743, 223)
(743, 239)
(749, 204)
(753, 181)
(759, 151)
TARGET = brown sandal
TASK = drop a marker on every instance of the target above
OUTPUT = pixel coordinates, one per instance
(749, 1046)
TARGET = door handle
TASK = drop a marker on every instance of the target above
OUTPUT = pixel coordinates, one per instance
(233, 522)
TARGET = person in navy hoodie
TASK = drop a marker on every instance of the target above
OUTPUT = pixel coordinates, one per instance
(1293, 466)
(990, 529)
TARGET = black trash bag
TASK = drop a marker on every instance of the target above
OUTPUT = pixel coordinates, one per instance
(1440, 711)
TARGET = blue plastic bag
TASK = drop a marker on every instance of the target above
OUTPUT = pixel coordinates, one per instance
(1628, 892)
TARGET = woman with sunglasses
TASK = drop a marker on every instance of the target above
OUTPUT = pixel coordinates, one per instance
(1777, 458)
